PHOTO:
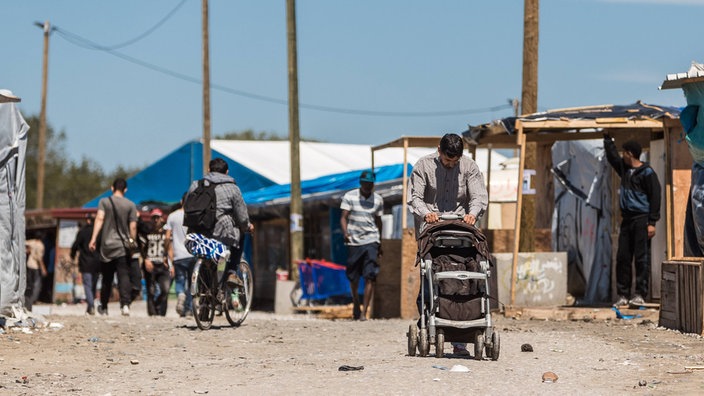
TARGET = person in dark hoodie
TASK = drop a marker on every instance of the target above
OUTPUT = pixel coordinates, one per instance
(232, 220)
(639, 199)
(88, 262)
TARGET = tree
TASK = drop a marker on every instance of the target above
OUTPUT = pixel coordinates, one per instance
(249, 134)
(67, 183)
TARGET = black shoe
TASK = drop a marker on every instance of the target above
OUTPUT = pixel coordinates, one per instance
(356, 312)
(90, 311)
(102, 311)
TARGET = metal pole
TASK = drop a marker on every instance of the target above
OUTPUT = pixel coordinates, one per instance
(41, 155)
(296, 213)
(206, 90)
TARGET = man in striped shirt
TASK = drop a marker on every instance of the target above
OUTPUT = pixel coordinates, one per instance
(361, 225)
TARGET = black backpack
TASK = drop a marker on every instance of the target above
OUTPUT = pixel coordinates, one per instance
(199, 208)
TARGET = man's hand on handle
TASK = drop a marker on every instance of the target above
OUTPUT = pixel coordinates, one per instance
(433, 217)
(469, 219)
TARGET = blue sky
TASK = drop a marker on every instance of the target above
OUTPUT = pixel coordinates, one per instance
(381, 56)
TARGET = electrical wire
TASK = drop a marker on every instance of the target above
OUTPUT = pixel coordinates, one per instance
(88, 44)
(146, 33)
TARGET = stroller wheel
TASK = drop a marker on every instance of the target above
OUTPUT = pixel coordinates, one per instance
(423, 343)
(495, 347)
(412, 339)
(439, 344)
(479, 346)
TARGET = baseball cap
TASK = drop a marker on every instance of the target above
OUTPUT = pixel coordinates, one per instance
(156, 212)
(367, 176)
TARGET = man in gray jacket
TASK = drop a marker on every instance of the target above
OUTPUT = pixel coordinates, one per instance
(231, 215)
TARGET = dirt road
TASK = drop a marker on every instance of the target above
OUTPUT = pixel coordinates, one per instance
(287, 355)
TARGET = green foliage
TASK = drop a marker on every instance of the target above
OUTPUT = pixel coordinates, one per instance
(67, 184)
(249, 134)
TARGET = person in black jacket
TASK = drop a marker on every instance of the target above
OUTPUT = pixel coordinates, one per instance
(640, 209)
(88, 262)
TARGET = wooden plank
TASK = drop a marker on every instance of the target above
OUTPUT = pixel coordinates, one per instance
(576, 313)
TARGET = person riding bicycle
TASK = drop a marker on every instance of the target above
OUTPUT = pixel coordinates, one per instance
(231, 215)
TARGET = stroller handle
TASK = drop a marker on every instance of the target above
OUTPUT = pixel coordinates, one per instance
(451, 216)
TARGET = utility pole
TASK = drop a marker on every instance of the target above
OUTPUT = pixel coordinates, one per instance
(296, 212)
(529, 104)
(206, 90)
(41, 155)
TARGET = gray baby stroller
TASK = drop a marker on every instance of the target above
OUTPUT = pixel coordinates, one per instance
(454, 301)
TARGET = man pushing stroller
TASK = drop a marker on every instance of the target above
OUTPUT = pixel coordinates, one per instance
(447, 182)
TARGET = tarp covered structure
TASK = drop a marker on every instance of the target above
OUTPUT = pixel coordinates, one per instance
(692, 118)
(254, 164)
(13, 146)
(582, 217)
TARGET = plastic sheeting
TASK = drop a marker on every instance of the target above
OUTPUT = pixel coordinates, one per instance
(13, 146)
(582, 217)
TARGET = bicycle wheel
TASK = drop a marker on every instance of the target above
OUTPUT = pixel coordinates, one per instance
(238, 300)
(201, 290)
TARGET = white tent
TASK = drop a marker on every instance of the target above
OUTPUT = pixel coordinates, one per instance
(13, 145)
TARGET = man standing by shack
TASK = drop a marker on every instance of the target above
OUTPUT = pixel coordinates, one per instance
(361, 226)
(639, 199)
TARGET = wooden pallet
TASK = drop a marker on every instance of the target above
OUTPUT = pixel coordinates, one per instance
(327, 311)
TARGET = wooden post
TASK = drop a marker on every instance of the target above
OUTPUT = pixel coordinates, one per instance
(41, 155)
(296, 209)
(669, 206)
(404, 185)
(206, 89)
(521, 141)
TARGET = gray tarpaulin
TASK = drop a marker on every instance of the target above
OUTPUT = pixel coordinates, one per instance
(13, 144)
(582, 217)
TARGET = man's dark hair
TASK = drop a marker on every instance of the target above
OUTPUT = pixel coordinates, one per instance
(218, 165)
(452, 145)
(633, 147)
(119, 184)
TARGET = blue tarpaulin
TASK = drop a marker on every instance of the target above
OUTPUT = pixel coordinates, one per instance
(167, 179)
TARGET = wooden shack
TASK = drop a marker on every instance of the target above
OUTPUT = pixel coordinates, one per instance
(656, 128)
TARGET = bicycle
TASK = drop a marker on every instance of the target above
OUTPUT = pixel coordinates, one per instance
(212, 294)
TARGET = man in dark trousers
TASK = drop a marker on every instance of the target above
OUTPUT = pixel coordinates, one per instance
(361, 226)
(88, 262)
(639, 199)
(158, 269)
(116, 222)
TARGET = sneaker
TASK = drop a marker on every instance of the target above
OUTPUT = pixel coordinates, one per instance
(636, 300)
(356, 312)
(233, 280)
(102, 310)
(125, 310)
(460, 350)
(621, 301)
(180, 303)
(90, 311)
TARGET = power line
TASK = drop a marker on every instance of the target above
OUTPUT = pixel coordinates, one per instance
(146, 33)
(88, 44)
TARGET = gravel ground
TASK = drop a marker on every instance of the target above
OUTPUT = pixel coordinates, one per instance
(285, 355)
